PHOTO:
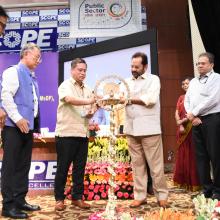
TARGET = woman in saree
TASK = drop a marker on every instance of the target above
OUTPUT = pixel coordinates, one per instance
(185, 172)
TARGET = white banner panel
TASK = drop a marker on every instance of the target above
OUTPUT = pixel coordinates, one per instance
(104, 18)
(197, 44)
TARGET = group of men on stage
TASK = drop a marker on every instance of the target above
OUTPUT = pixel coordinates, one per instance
(19, 118)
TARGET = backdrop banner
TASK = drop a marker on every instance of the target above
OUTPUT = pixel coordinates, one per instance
(47, 76)
(50, 29)
(95, 18)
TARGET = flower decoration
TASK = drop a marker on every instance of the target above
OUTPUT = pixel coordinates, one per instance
(204, 207)
(216, 213)
(97, 172)
(96, 181)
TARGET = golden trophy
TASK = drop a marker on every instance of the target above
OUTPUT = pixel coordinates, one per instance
(112, 89)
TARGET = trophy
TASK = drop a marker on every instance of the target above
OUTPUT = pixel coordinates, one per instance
(112, 88)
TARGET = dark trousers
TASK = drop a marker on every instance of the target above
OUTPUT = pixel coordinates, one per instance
(206, 137)
(70, 150)
(17, 150)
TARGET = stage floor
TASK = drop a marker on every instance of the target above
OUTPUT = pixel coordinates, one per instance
(179, 200)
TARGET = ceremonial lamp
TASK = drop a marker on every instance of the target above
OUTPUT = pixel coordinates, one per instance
(111, 88)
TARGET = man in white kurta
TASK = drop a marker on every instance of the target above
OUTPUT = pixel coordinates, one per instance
(143, 130)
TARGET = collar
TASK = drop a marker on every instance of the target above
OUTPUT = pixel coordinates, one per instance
(143, 76)
(74, 82)
(206, 75)
(26, 69)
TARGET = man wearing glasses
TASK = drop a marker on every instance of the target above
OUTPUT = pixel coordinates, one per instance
(3, 20)
(202, 103)
(20, 100)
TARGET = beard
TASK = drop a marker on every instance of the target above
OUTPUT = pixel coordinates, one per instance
(137, 74)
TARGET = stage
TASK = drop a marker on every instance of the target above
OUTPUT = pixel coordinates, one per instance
(179, 200)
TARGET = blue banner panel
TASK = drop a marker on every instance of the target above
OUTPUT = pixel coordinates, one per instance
(45, 38)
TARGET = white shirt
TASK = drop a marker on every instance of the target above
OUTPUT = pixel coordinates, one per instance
(10, 85)
(203, 95)
(144, 119)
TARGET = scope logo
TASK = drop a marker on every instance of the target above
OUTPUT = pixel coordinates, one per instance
(63, 23)
(64, 11)
(48, 18)
(42, 170)
(12, 35)
(27, 13)
(14, 19)
(46, 38)
(41, 174)
(27, 25)
(66, 47)
(87, 40)
(63, 34)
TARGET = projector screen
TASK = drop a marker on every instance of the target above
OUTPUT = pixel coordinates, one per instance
(116, 62)
(111, 56)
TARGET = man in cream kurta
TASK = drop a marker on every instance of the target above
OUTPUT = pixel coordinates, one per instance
(73, 114)
(143, 130)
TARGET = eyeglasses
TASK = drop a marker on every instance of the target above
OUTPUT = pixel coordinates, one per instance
(201, 63)
(38, 59)
(203, 79)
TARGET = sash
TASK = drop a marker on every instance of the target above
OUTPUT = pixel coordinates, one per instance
(183, 136)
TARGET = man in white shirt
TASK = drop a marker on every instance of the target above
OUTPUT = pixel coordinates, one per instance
(143, 130)
(202, 103)
(19, 98)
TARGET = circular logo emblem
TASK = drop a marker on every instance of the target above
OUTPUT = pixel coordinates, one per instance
(116, 9)
(12, 39)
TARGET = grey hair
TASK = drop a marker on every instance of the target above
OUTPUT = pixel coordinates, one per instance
(209, 55)
(28, 47)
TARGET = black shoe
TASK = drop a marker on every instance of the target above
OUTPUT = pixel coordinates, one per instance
(150, 190)
(27, 207)
(14, 213)
(208, 195)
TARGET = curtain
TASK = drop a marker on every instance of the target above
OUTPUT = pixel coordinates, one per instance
(207, 14)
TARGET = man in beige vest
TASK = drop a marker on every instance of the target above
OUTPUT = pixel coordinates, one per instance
(73, 113)
(143, 130)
